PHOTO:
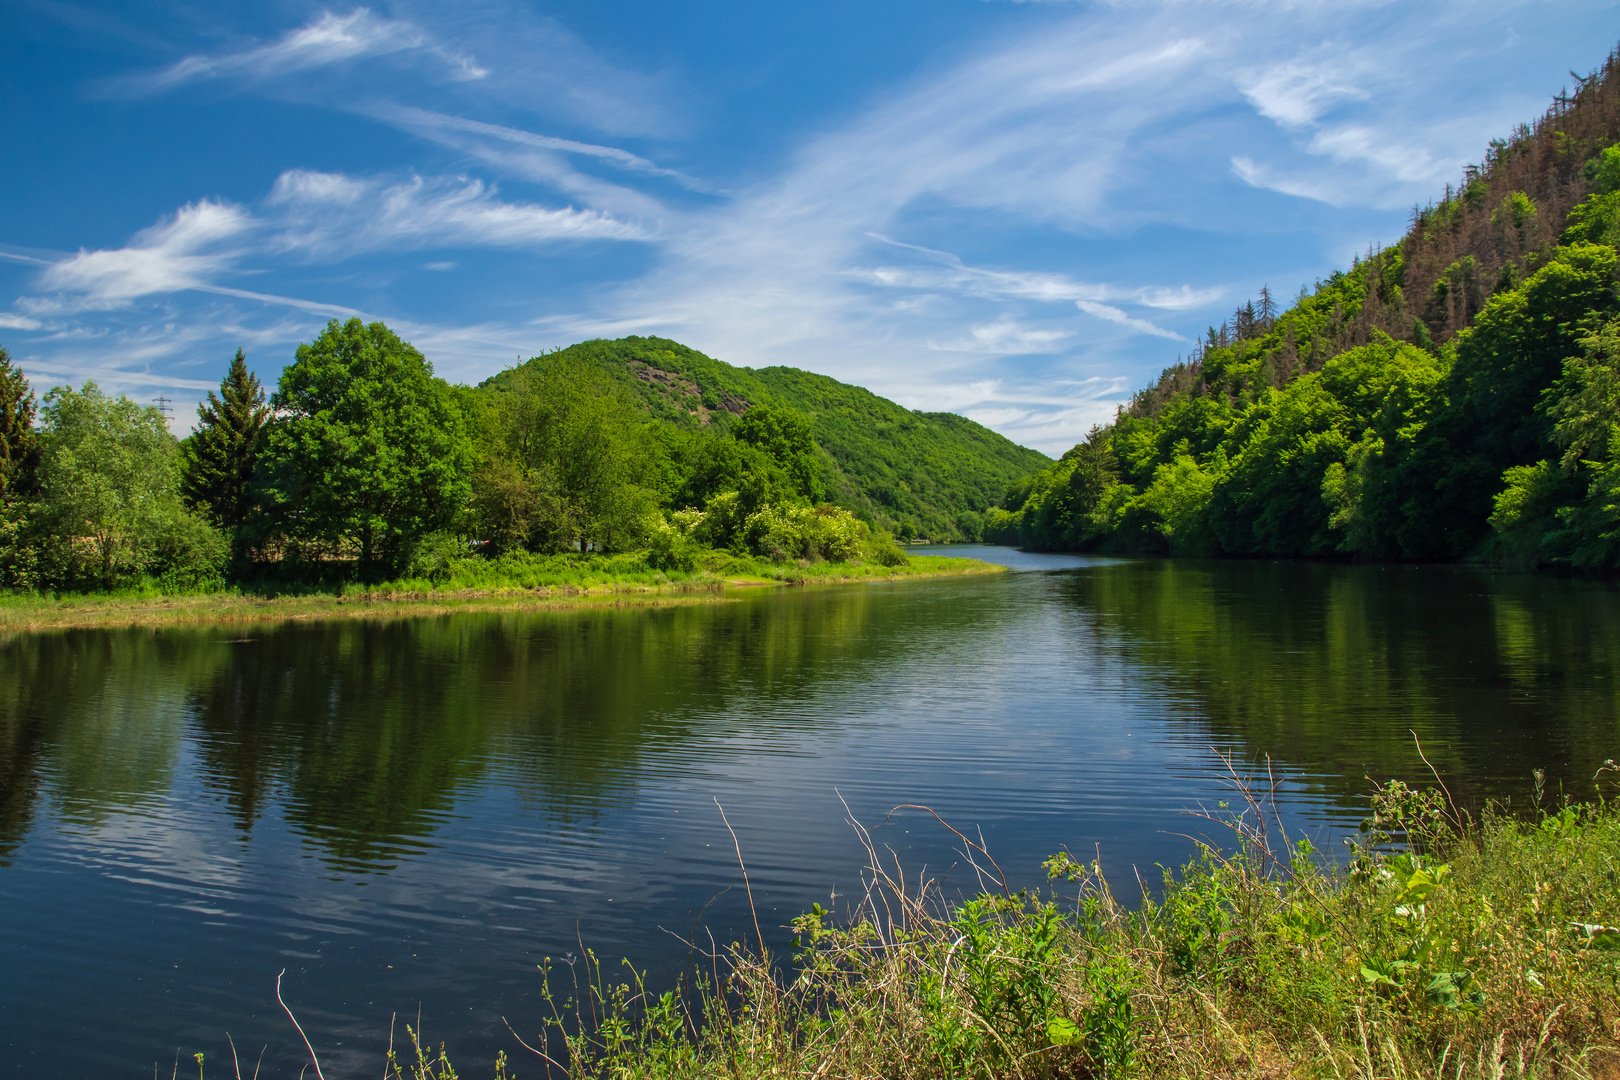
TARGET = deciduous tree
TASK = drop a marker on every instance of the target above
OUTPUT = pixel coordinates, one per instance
(371, 452)
(109, 493)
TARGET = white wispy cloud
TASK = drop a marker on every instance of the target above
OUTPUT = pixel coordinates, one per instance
(314, 217)
(313, 307)
(438, 125)
(1297, 92)
(954, 275)
(1091, 170)
(1112, 314)
(332, 215)
(542, 159)
(1007, 337)
(1326, 189)
(538, 67)
(182, 252)
(327, 40)
(1356, 106)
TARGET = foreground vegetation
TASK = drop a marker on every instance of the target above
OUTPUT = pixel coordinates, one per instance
(1453, 396)
(1444, 946)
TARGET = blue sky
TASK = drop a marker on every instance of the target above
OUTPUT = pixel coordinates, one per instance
(1016, 211)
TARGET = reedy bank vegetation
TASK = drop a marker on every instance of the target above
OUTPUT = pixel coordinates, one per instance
(1443, 946)
(1452, 396)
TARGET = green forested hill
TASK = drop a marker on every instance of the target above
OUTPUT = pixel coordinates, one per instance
(1456, 395)
(917, 474)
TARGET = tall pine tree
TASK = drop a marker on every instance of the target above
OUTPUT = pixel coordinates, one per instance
(219, 458)
(19, 448)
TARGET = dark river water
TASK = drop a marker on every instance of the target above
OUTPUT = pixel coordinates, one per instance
(408, 817)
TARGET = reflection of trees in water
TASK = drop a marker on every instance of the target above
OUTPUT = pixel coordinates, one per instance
(90, 720)
(21, 754)
(362, 734)
(1333, 667)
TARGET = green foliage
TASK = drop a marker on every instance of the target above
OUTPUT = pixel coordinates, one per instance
(881, 549)
(892, 467)
(785, 437)
(1603, 171)
(1517, 346)
(1494, 445)
(19, 449)
(1516, 209)
(565, 454)
(1269, 497)
(371, 467)
(1441, 946)
(716, 464)
(109, 508)
(1566, 509)
(672, 547)
(436, 557)
(217, 460)
(1066, 506)
(1177, 498)
(19, 477)
(371, 450)
(773, 531)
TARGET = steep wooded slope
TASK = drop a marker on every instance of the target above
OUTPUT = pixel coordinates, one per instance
(1453, 395)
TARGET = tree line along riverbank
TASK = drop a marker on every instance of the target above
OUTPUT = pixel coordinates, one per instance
(364, 471)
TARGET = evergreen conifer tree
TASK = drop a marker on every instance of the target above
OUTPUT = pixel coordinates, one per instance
(219, 458)
(18, 445)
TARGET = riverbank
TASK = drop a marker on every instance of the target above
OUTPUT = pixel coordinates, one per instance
(553, 584)
(1445, 946)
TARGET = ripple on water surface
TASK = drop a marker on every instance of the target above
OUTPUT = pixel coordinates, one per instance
(412, 816)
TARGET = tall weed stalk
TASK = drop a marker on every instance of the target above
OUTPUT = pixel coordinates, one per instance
(1442, 945)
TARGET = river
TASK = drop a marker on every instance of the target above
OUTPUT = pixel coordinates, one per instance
(409, 817)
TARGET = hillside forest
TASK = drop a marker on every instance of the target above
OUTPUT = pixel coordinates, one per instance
(1454, 396)
(638, 455)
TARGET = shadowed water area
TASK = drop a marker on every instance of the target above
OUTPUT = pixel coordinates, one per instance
(408, 817)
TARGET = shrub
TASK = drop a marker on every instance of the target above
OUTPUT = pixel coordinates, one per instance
(188, 553)
(436, 557)
(881, 549)
(669, 547)
(722, 516)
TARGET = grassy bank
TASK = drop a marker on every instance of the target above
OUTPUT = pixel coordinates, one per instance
(1444, 946)
(525, 583)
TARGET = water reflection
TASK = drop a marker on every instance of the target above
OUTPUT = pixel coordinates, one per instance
(363, 735)
(417, 812)
(1333, 669)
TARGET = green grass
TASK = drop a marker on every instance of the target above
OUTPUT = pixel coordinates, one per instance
(511, 582)
(523, 571)
(1444, 946)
